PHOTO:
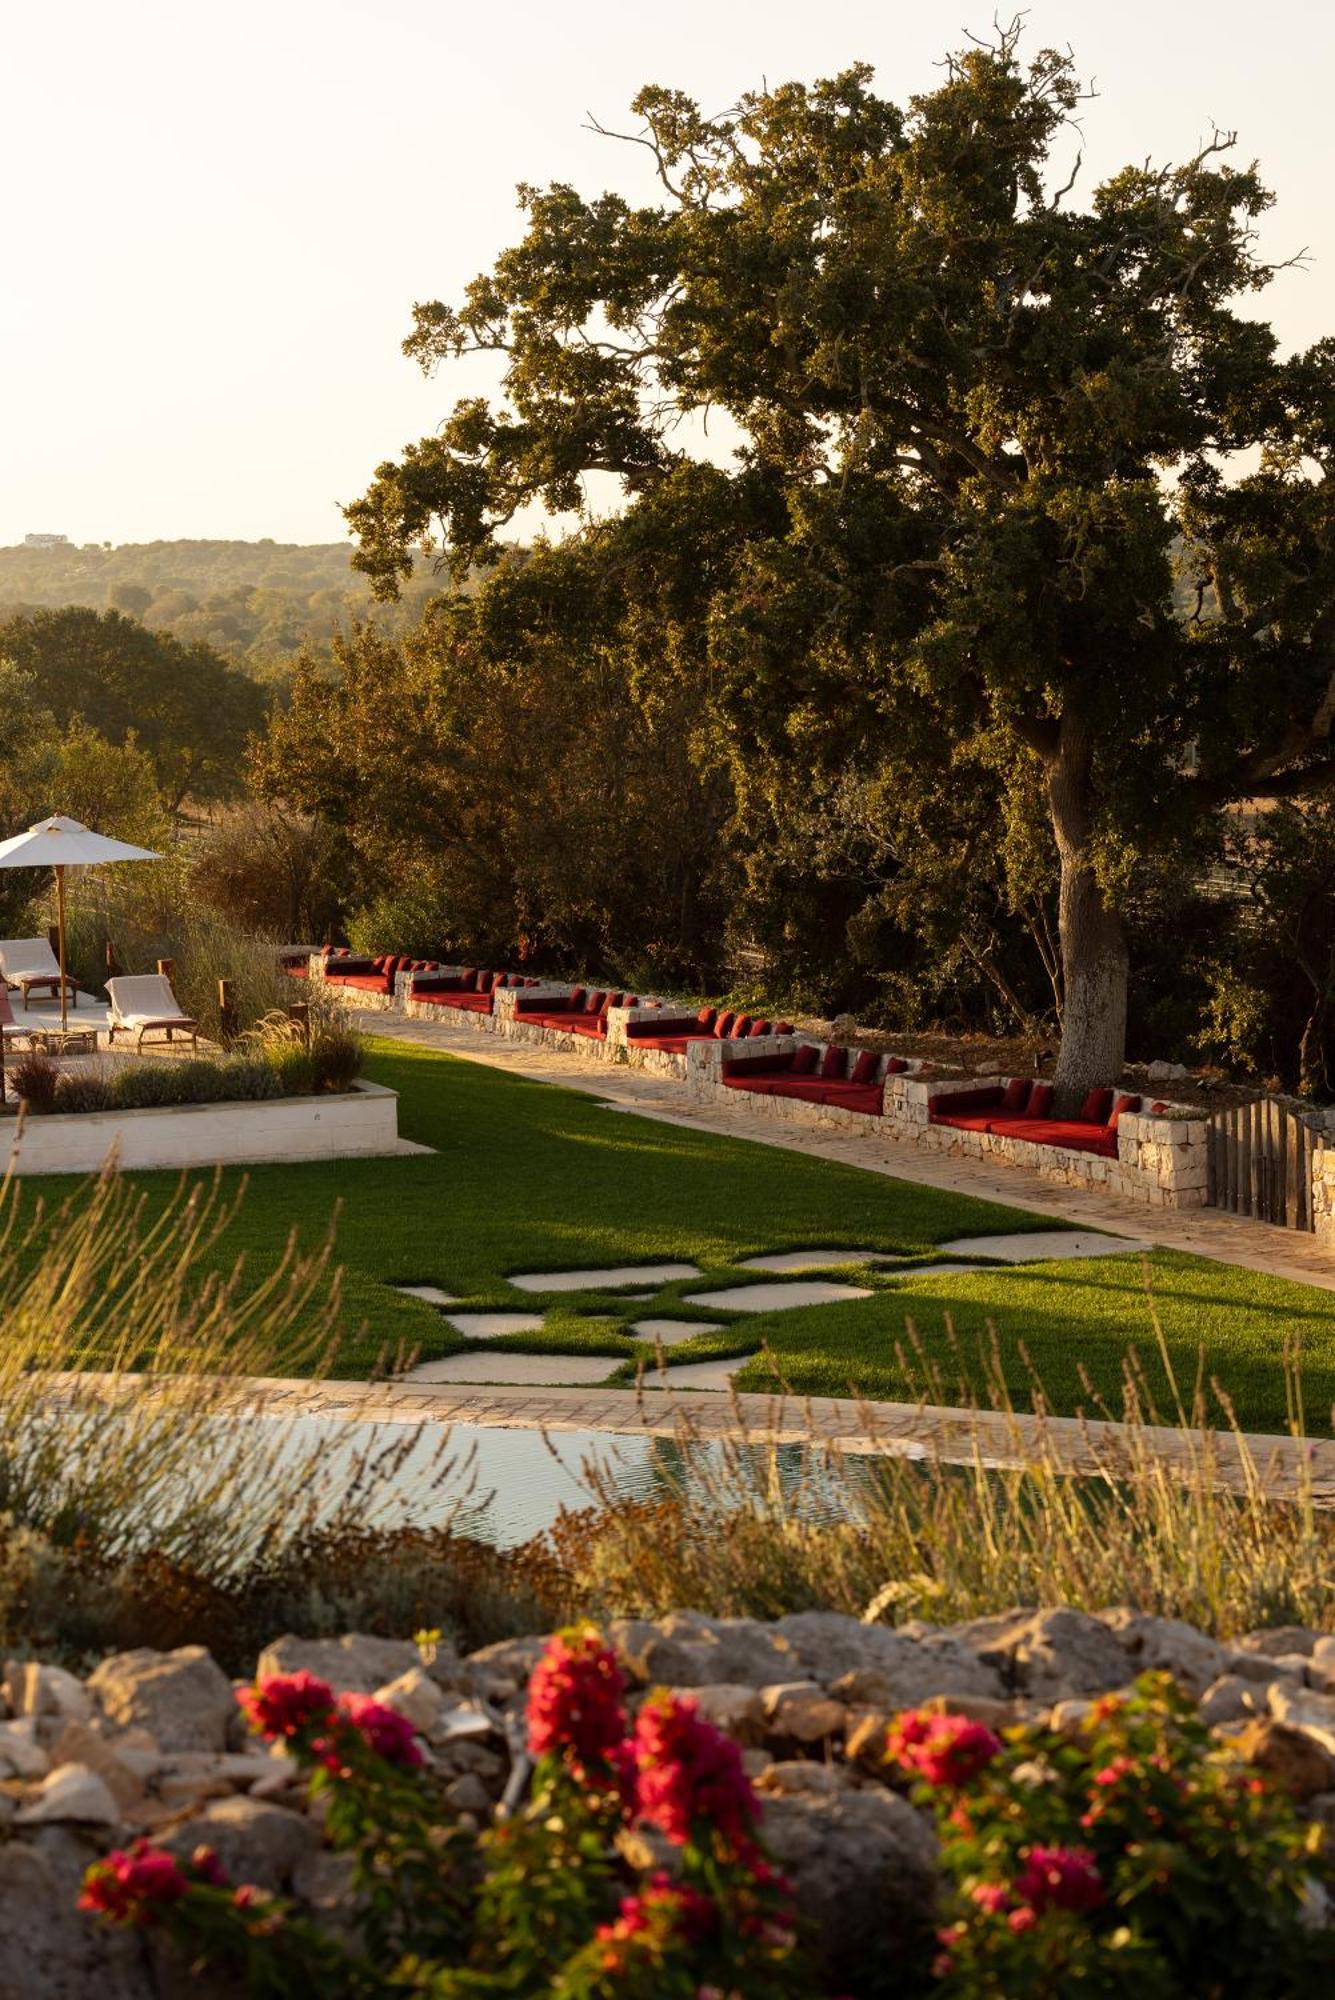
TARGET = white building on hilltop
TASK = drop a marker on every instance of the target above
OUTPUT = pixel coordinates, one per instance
(46, 541)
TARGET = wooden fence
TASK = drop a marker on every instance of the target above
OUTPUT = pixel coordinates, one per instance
(1261, 1163)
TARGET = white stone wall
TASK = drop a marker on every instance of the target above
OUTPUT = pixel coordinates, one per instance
(363, 1122)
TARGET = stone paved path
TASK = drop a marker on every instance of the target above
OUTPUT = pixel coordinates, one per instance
(1228, 1239)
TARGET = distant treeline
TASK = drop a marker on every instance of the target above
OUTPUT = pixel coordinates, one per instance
(255, 603)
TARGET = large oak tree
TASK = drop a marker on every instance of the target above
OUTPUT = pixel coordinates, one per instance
(1017, 476)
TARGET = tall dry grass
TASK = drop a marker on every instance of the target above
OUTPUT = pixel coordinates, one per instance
(1178, 1517)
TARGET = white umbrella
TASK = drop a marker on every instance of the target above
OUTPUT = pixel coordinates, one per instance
(60, 844)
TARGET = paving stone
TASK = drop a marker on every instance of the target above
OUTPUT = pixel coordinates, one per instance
(602, 1280)
(549, 1370)
(671, 1331)
(778, 1298)
(1040, 1245)
(432, 1294)
(699, 1374)
(491, 1326)
(781, 1261)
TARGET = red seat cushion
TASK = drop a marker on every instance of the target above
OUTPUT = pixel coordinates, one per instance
(966, 1121)
(834, 1063)
(864, 1069)
(1076, 1133)
(1095, 1109)
(949, 1110)
(673, 1045)
(1016, 1094)
(805, 1059)
(895, 1065)
(864, 1097)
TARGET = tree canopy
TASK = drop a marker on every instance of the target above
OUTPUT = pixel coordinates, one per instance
(1022, 498)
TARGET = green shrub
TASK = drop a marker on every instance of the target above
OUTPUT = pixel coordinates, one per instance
(336, 1056)
(292, 1067)
(34, 1078)
(245, 1079)
(143, 1086)
(83, 1090)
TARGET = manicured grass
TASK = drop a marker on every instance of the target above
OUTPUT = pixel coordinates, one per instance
(527, 1177)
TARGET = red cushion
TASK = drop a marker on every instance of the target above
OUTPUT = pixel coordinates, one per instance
(1016, 1094)
(706, 1017)
(577, 996)
(805, 1059)
(1095, 1109)
(1124, 1103)
(834, 1063)
(1040, 1101)
(1075, 1133)
(784, 1028)
(723, 1026)
(895, 1066)
(946, 1110)
(864, 1069)
(862, 1097)
(762, 1027)
(741, 1028)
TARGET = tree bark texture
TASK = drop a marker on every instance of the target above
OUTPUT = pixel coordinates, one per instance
(1093, 944)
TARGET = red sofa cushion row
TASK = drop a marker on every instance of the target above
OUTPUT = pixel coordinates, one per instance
(368, 982)
(1078, 1133)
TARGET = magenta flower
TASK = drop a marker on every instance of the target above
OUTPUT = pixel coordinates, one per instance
(386, 1732)
(945, 1750)
(1059, 1878)
(133, 1888)
(284, 1704)
(574, 1703)
(690, 1774)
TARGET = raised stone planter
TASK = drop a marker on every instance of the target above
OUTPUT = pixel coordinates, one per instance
(359, 1123)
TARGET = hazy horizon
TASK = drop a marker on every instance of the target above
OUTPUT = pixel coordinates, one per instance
(219, 224)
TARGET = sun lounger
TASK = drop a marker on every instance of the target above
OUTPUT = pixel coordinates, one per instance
(30, 964)
(143, 1004)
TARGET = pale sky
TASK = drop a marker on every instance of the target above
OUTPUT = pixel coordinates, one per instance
(219, 217)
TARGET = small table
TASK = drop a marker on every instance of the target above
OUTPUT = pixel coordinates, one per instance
(65, 1041)
(32, 982)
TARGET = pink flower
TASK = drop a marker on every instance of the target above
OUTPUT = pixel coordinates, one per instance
(990, 1896)
(946, 1750)
(574, 1702)
(386, 1732)
(662, 1909)
(285, 1704)
(690, 1774)
(1059, 1878)
(133, 1888)
(1022, 1919)
(208, 1867)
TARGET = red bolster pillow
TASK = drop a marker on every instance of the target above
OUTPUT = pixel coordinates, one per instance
(741, 1028)
(1016, 1094)
(595, 1002)
(762, 1027)
(784, 1028)
(723, 1027)
(1123, 1103)
(895, 1066)
(1040, 1101)
(834, 1063)
(1095, 1109)
(707, 1017)
(804, 1060)
(866, 1066)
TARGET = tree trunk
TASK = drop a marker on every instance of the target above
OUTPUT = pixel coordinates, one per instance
(1093, 946)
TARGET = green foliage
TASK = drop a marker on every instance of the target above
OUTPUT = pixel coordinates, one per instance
(337, 1055)
(187, 708)
(254, 603)
(1024, 490)
(271, 871)
(1177, 1871)
(84, 1090)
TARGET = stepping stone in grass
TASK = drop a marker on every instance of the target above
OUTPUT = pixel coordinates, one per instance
(604, 1280)
(549, 1371)
(490, 1326)
(698, 1374)
(812, 1260)
(670, 1331)
(778, 1298)
(1036, 1246)
(432, 1294)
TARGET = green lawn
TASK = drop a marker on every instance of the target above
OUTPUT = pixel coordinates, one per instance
(529, 1177)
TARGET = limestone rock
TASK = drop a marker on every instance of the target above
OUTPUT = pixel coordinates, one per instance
(71, 1792)
(1168, 1645)
(254, 1841)
(1290, 1756)
(1302, 1709)
(1230, 1699)
(77, 1744)
(910, 1667)
(416, 1697)
(468, 1794)
(1276, 1639)
(21, 1755)
(358, 1663)
(688, 1650)
(500, 1671)
(34, 1689)
(738, 1711)
(1050, 1654)
(863, 1868)
(801, 1712)
(802, 1777)
(55, 1952)
(182, 1698)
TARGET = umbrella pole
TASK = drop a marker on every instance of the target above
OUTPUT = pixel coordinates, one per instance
(60, 921)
